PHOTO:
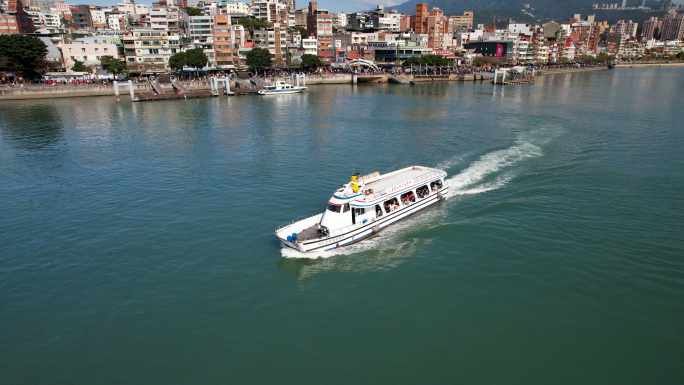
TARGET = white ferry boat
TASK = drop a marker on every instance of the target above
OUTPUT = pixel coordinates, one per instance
(365, 206)
(280, 87)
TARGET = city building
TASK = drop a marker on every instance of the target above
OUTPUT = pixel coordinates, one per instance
(420, 19)
(460, 22)
(81, 17)
(274, 40)
(201, 29)
(672, 27)
(228, 39)
(319, 24)
(90, 50)
(436, 29)
(651, 29)
(148, 51)
(15, 20)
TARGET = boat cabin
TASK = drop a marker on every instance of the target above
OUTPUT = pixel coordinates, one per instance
(372, 196)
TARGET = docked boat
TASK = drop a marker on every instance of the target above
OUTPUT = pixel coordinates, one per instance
(280, 87)
(365, 206)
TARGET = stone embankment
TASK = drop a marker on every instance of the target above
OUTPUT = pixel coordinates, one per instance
(69, 90)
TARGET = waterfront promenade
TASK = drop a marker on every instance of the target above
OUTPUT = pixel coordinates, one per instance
(50, 91)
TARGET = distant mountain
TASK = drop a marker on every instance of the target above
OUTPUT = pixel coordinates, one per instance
(542, 10)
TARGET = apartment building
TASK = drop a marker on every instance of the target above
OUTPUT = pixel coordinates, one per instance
(90, 50)
(319, 24)
(228, 39)
(275, 40)
(148, 51)
(460, 22)
(436, 29)
(673, 27)
(201, 29)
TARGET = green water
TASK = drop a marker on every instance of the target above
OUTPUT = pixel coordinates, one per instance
(137, 247)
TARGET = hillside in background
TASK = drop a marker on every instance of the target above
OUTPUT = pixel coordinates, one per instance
(539, 11)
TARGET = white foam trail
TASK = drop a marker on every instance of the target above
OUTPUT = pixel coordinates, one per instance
(493, 185)
(528, 145)
(491, 163)
(456, 160)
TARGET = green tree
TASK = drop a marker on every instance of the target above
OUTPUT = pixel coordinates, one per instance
(309, 60)
(412, 61)
(196, 58)
(604, 57)
(302, 31)
(79, 66)
(178, 61)
(193, 11)
(427, 60)
(259, 58)
(23, 54)
(249, 23)
(435, 60)
(113, 66)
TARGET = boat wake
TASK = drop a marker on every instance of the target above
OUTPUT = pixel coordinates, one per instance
(471, 180)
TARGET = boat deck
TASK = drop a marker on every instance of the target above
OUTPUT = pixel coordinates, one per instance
(309, 233)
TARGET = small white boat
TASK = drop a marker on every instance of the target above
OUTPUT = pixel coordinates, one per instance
(365, 206)
(280, 87)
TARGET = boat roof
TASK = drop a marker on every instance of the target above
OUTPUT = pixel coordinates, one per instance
(375, 186)
(395, 178)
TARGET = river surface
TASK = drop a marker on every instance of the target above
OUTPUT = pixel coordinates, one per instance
(137, 246)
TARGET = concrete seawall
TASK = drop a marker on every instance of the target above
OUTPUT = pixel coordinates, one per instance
(45, 91)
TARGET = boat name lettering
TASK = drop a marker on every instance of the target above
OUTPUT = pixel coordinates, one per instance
(332, 240)
(399, 187)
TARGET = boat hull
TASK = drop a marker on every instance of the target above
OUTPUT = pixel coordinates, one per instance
(281, 92)
(365, 230)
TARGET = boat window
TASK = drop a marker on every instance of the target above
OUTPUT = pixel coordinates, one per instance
(334, 208)
(436, 185)
(359, 211)
(346, 207)
(422, 191)
(391, 205)
(408, 198)
(378, 211)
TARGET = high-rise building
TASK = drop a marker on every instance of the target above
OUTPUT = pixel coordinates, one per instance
(420, 20)
(436, 28)
(651, 29)
(673, 27)
(228, 39)
(665, 5)
(319, 24)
